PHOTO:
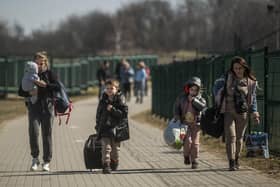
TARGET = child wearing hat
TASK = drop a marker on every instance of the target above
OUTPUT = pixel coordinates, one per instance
(188, 108)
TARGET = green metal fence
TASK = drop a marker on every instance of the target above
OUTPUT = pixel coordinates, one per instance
(3, 75)
(273, 99)
(168, 81)
(76, 73)
(11, 72)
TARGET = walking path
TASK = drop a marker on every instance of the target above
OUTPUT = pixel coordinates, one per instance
(145, 160)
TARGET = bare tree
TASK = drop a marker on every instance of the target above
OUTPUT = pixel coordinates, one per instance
(205, 25)
(145, 25)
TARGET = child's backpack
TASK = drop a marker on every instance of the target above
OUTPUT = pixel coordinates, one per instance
(62, 104)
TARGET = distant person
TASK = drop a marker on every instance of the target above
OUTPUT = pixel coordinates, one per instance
(118, 69)
(187, 111)
(139, 82)
(126, 74)
(239, 89)
(41, 111)
(111, 112)
(103, 74)
(148, 74)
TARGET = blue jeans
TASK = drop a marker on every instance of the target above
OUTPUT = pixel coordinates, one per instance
(139, 90)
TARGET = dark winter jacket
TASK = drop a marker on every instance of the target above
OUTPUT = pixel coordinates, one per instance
(52, 85)
(103, 75)
(106, 121)
(45, 95)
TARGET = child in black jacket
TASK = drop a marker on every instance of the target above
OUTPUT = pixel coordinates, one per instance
(111, 112)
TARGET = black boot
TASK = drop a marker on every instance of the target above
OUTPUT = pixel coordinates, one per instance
(106, 168)
(194, 164)
(237, 165)
(187, 160)
(232, 165)
(114, 165)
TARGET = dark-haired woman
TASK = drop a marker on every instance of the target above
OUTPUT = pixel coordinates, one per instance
(238, 87)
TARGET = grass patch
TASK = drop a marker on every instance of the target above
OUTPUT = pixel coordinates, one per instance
(182, 55)
(11, 108)
(270, 167)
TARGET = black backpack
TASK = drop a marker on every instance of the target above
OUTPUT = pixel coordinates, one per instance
(212, 120)
(62, 103)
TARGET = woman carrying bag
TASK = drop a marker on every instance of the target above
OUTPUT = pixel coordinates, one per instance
(239, 100)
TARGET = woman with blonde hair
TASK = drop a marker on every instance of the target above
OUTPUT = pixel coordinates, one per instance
(41, 113)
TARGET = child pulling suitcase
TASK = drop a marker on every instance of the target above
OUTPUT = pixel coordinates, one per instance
(111, 115)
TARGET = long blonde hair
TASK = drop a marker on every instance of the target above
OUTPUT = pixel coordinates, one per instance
(42, 55)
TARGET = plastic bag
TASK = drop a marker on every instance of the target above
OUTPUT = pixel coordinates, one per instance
(257, 144)
(174, 134)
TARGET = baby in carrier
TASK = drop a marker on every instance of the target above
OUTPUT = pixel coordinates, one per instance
(30, 78)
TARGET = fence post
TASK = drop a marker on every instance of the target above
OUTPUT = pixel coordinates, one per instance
(6, 77)
(213, 60)
(265, 120)
(250, 64)
(51, 61)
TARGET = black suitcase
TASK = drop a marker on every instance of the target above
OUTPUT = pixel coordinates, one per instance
(92, 153)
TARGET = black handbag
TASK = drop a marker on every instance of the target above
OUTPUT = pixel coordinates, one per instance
(122, 132)
(212, 122)
(23, 93)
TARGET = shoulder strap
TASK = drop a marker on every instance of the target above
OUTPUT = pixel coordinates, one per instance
(224, 92)
(251, 83)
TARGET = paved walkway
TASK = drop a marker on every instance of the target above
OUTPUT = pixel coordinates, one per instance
(145, 159)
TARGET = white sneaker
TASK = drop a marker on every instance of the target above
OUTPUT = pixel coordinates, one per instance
(46, 166)
(35, 163)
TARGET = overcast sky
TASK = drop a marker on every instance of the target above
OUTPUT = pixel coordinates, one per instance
(34, 14)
